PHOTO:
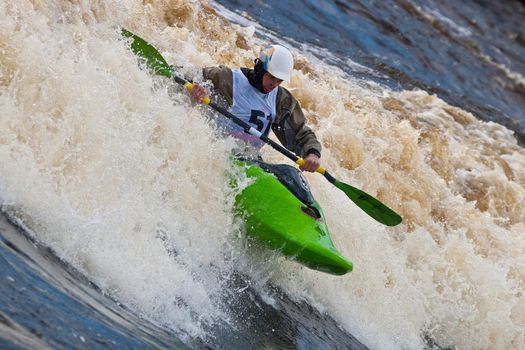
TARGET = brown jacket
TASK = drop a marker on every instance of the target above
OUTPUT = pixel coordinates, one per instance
(289, 124)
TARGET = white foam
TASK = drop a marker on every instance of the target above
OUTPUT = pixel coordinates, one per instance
(124, 179)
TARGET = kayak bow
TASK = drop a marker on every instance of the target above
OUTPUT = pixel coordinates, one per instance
(276, 217)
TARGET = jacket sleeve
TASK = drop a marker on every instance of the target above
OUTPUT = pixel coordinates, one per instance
(291, 128)
(222, 79)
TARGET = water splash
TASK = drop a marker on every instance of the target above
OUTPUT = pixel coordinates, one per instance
(121, 175)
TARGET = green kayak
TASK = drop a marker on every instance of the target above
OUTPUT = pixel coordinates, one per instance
(279, 211)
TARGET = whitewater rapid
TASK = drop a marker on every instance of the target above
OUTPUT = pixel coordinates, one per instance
(122, 176)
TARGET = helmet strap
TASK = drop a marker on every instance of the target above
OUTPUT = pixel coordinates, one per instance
(255, 75)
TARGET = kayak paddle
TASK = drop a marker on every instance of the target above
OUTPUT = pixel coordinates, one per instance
(366, 202)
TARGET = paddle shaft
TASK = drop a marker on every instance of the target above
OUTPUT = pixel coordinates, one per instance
(251, 130)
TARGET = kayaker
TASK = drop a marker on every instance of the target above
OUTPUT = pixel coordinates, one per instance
(255, 96)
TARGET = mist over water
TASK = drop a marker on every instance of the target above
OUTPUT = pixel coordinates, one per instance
(122, 177)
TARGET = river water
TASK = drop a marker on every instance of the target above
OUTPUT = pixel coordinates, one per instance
(117, 228)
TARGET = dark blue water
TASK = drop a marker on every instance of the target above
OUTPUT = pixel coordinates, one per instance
(459, 50)
(46, 304)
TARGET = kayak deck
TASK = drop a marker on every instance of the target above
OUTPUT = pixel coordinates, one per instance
(281, 221)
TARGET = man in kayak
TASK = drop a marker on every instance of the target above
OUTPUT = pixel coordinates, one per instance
(254, 95)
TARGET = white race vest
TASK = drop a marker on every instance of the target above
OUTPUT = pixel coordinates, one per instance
(251, 106)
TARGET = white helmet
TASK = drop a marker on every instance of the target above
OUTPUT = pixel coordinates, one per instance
(278, 61)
